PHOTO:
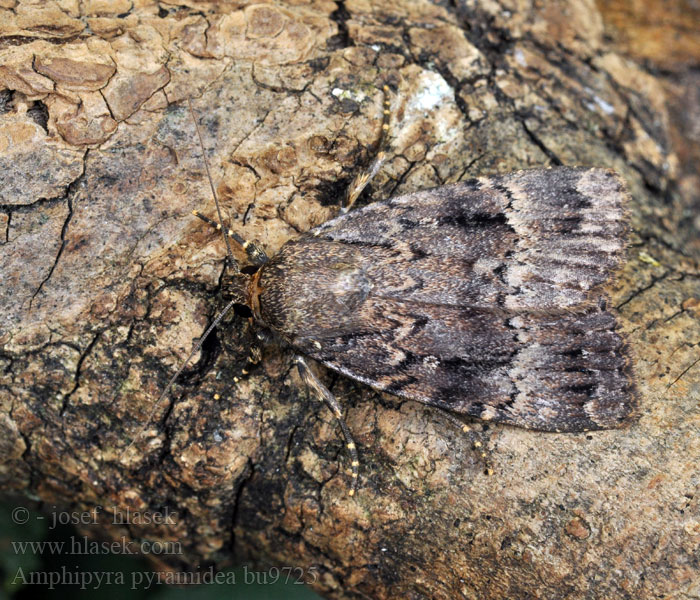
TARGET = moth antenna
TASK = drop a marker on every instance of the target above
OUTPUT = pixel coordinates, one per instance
(232, 263)
(359, 183)
(196, 349)
(231, 260)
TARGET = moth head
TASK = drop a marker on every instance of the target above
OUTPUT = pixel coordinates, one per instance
(237, 287)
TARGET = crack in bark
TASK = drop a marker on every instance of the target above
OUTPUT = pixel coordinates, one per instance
(8, 224)
(690, 366)
(73, 185)
(339, 16)
(538, 142)
(403, 176)
(654, 280)
(245, 477)
(78, 368)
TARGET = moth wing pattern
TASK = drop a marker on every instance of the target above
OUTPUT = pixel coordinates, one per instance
(484, 297)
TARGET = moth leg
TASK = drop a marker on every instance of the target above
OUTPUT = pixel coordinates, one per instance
(253, 360)
(477, 445)
(455, 421)
(249, 337)
(255, 253)
(322, 391)
(364, 177)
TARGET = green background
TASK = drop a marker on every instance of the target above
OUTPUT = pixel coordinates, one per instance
(38, 528)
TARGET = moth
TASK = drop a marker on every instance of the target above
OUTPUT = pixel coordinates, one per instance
(485, 298)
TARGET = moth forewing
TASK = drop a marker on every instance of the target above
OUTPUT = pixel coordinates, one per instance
(483, 298)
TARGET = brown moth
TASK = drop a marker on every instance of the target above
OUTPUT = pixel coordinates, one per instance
(485, 298)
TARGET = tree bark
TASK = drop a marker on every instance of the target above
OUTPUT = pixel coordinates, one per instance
(107, 279)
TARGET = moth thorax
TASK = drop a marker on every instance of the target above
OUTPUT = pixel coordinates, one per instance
(295, 301)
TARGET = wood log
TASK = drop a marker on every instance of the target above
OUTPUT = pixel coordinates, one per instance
(107, 279)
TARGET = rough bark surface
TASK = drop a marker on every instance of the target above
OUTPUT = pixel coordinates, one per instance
(107, 279)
